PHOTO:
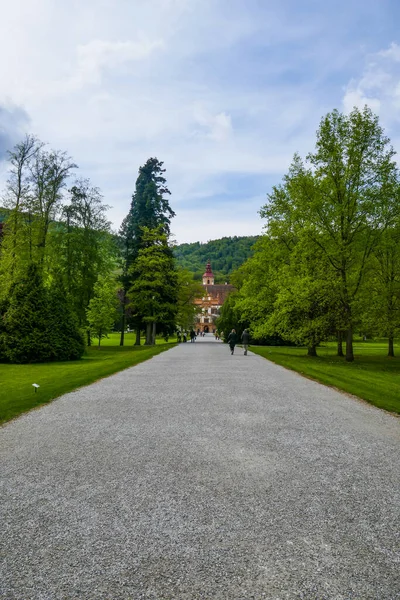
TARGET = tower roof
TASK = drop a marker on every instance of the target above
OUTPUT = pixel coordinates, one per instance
(208, 272)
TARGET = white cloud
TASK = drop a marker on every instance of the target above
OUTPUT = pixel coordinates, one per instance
(378, 86)
(114, 82)
(98, 55)
(217, 127)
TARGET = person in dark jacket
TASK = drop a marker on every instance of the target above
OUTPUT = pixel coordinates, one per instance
(232, 340)
(245, 341)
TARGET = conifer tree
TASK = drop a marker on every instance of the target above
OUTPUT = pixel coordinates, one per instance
(154, 292)
(149, 209)
(66, 340)
(24, 337)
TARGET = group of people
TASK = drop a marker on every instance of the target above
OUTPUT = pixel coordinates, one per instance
(182, 336)
(233, 340)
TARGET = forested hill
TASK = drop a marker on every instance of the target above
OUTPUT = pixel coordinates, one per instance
(225, 254)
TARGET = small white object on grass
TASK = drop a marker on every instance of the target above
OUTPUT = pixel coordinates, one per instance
(36, 386)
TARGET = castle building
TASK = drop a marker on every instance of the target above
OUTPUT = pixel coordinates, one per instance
(210, 304)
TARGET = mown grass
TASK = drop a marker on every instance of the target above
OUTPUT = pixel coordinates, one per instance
(17, 394)
(113, 340)
(372, 376)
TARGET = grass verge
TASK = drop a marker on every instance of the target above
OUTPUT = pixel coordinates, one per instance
(17, 394)
(372, 376)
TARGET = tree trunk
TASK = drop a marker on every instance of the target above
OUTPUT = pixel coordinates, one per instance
(89, 339)
(349, 345)
(137, 341)
(123, 323)
(153, 336)
(340, 343)
(391, 346)
(312, 350)
(148, 334)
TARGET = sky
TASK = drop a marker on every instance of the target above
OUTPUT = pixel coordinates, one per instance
(224, 92)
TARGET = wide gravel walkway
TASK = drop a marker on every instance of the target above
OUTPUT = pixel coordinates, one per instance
(201, 475)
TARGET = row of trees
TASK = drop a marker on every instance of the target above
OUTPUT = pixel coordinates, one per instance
(57, 243)
(329, 262)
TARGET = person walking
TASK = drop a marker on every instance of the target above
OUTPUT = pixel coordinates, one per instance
(192, 336)
(245, 341)
(232, 340)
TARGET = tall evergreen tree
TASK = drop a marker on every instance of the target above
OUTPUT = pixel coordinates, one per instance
(154, 291)
(64, 335)
(149, 209)
(24, 338)
(38, 325)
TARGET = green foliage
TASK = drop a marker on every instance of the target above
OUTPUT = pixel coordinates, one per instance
(83, 244)
(150, 210)
(102, 310)
(188, 291)
(225, 254)
(154, 293)
(325, 247)
(24, 337)
(64, 336)
(382, 305)
(37, 324)
(230, 318)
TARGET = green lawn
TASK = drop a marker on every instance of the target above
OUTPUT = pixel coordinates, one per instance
(372, 376)
(17, 394)
(113, 340)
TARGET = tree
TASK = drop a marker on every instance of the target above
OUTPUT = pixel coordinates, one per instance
(149, 209)
(24, 338)
(154, 292)
(64, 336)
(344, 199)
(102, 310)
(230, 318)
(257, 282)
(85, 246)
(37, 323)
(382, 306)
(188, 291)
(15, 252)
(49, 174)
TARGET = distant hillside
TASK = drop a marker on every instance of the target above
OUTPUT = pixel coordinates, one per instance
(225, 254)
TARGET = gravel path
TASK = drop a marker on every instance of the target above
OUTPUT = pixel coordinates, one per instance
(201, 475)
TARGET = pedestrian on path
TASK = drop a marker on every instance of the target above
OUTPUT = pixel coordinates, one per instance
(192, 336)
(245, 341)
(232, 340)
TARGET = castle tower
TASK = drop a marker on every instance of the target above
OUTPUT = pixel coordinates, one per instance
(208, 277)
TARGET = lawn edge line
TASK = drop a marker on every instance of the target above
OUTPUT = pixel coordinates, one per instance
(51, 400)
(333, 387)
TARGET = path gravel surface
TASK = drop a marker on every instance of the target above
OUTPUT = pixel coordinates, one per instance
(201, 475)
